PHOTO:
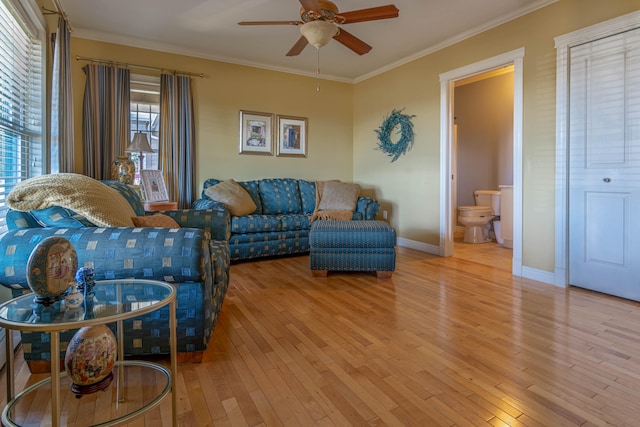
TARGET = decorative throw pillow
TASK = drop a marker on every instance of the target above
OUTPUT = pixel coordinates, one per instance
(338, 195)
(233, 196)
(156, 220)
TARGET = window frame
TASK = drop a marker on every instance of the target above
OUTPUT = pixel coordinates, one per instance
(27, 15)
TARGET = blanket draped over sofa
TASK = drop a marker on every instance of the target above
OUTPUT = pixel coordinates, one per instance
(281, 221)
(97, 202)
(337, 202)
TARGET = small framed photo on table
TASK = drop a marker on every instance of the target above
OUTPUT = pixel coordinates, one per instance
(153, 185)
(256, 133)
(292, 136)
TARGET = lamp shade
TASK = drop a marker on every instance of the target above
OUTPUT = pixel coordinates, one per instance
(318, 33)
(139, 144)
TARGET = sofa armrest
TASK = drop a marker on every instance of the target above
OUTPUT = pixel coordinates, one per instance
(171, 255)
(368, 207)
(216, 221)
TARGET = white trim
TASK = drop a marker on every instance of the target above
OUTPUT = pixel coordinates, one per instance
(418, 246)
(447, 80)
(538, 275)
(563, 44)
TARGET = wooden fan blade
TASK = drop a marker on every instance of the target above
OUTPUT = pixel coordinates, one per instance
(371, 14)
(352, 42)
(310, 5)
(298, 47)
(270, 23)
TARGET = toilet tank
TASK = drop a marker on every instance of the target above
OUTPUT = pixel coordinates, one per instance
(488, 198)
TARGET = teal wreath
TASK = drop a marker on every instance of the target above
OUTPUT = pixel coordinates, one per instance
(405, 131)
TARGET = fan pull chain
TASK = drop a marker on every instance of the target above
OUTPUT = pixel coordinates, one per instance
(318, 73)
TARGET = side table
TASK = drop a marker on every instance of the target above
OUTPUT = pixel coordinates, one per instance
(114, 301)
(160, 206)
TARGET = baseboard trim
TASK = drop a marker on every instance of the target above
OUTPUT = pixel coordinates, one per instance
(543, 276)
(419, 246)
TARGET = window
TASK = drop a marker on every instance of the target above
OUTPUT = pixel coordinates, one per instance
(145, 117)
(21, 96)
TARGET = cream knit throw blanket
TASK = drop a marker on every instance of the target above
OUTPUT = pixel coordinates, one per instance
(97, 202)
(337, 203)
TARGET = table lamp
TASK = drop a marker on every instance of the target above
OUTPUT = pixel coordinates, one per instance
(139, 144)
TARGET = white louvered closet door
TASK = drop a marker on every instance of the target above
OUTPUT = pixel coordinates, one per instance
(604, 165)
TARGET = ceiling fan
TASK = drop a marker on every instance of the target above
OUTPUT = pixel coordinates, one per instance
(320, 20)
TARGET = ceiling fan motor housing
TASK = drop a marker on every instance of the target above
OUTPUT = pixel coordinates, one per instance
(328, 12)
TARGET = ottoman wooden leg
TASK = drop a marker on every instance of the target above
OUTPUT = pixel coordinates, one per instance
(319, 273)
(384, 274)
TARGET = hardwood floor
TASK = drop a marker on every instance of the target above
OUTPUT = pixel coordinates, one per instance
(450, 341)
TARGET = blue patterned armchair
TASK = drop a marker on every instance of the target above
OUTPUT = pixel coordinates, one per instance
(195, 258)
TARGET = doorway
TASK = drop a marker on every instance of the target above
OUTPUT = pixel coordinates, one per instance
(447, 157)
(483, 160)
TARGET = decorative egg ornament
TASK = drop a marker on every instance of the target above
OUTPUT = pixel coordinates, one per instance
(51, 268)
(90, 358)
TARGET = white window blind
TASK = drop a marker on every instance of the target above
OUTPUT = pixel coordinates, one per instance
(21, 97)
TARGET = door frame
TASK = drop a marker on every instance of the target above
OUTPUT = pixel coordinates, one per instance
(447, 82)
(563, 43)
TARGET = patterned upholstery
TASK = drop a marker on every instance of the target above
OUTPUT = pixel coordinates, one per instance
(280, 196)
(129, 193)
(307, 196)
(280, 225)
(187, 257)
(216, 220)
(352, 246)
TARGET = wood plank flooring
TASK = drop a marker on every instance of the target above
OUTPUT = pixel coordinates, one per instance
(450, 341)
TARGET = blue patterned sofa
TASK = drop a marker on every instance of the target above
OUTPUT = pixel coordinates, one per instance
(281, 223)
(187, 257)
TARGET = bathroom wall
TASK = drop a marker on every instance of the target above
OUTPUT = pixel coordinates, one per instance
(484, 118)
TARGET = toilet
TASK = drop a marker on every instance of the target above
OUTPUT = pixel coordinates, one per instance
(476, 219)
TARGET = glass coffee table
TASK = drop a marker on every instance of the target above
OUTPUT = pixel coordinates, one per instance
(114, 301)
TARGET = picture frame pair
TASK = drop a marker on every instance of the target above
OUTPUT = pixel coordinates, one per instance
(257, 134)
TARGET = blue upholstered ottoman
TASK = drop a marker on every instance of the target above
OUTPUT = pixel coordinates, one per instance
(352, 246)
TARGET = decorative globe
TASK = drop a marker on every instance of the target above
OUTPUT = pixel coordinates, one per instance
(90, 358)
(51, 268)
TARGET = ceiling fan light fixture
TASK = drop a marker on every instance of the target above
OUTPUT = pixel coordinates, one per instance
(318, 33)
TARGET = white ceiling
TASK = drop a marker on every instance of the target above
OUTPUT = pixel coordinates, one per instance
(208, 29)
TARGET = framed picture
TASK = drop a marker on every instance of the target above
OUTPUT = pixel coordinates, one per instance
(153, 185)
(292, 136)
(256, 133)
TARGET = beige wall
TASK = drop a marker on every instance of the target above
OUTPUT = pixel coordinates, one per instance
(343, 117)
(410, 187)
(227, 89)
(483, 112)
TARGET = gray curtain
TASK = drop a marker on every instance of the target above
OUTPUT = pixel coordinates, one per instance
(61, 133)
(105, 118)
(177, 138)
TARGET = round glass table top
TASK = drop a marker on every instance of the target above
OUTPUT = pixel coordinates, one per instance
(112, 300)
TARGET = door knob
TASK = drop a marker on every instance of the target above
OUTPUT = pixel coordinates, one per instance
(607, 180)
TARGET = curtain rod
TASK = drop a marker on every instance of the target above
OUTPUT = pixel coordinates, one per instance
(142, 67)
(59, 11)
